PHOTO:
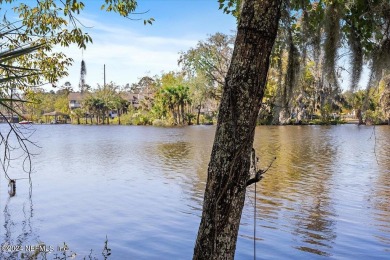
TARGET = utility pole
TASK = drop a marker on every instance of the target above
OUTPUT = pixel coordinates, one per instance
(104, 75)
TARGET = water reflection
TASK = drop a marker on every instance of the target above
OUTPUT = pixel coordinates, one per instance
(188, 161)
(315, 223)
(18, 224)
(380, 197)
(175, 156)
(296, 190)
(327, 194)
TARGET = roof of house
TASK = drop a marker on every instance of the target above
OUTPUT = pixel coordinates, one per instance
(76, 96)
(54, 113)
(129, 96)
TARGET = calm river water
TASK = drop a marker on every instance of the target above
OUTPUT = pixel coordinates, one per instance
(326, 195)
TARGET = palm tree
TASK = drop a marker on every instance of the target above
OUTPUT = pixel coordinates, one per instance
(121, 106)
(88, 108)
(77, 114)
(183, 98)
(169, 100)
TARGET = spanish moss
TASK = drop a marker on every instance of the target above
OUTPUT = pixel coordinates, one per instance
(292, 72)
(380, 61)
(332, 40)
(304, 34)
(356, 58)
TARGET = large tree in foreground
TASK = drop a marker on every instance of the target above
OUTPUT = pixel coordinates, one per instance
(229, 165)
(243, 90)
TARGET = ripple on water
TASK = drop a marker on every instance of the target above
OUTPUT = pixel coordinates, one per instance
(326, 194)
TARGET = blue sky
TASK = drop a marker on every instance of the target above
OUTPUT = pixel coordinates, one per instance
(131, 50)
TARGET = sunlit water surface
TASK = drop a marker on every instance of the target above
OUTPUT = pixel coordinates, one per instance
(326, 195)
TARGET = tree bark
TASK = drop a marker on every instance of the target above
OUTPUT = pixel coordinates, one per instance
(243, 91)
(198, 116)
(360, 116)
(183, 116)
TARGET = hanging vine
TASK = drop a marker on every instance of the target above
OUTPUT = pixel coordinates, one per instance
(356, 59)
(332, 41)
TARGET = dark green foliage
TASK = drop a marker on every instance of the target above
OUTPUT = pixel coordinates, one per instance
(231, 6)
(380, 61)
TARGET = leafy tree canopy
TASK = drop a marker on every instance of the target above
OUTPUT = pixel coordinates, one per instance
(326, 27)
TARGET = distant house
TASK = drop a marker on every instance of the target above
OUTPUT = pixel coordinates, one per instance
(209, 107)
(132, 98)
(75, 99)
(9, 118)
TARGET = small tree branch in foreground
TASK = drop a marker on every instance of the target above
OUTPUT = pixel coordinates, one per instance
(259, 174)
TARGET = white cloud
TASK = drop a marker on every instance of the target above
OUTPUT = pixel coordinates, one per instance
(128, 55)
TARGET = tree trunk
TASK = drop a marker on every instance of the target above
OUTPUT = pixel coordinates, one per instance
(197, 117)
(183, 114)
(178, 114)
(359, 116)
(229, 164)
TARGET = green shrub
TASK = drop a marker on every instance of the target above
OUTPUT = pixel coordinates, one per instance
(372, 117)
(161, 123)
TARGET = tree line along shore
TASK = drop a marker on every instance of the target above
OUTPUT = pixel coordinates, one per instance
(192, 95)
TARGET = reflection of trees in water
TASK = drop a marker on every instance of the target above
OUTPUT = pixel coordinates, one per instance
(381, 204)
(188, 161)
(179, 160)
(201, 160)
(380, 197)
(314, 222)
(27, 234)
(176, 156)
(296, 189)
(21, 235)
